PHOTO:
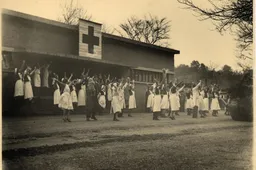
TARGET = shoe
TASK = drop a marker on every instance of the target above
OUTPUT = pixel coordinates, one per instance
(129, 115)
(94, 118)
(64, 119)
(88, 119)
(68, 120)
(115, 119)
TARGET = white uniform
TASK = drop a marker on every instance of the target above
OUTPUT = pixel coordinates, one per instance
(174, 102)
(65, 99)
(195, 92)
(215, 103)
(46, 77)
(102, 100)
(74, 95)
(165, 102)
(19, 87)
(189, 103)
(121, 97)
(28, 89)
(150, 99)
(206, 102)
(156, 104)
(201, 105)
(81, 96)
(115, 103)
(56, 95)
(37, 78)
(132, 100)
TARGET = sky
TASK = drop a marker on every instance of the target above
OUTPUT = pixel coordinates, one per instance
(196, 40)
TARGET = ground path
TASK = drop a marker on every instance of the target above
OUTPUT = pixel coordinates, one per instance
(132, 143)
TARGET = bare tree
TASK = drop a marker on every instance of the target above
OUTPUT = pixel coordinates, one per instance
(236, 16)
(107, 29)
(71, 13)
(150, 29)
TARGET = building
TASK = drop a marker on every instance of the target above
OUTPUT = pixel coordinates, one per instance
(39, 40)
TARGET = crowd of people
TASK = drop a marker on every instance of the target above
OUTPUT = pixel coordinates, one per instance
(96, 93)
(165, 98)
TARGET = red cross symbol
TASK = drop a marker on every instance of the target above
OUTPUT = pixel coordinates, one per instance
(90, 39)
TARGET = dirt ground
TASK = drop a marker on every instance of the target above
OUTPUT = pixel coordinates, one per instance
(132, 143)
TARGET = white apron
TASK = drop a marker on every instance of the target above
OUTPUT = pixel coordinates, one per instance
(19, 87)
(74, 95)
(65, 99)
(28, 89)
(102, 101)
(37, 78)
(165, 102)
(81, 96)
(56, 95)
(156, 103)
(150, 100)
(174, 102)
(132, 101)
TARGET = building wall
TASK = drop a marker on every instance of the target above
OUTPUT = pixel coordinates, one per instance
(136, 56)
(22, 33)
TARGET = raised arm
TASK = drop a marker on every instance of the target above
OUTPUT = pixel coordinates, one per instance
(164, 76)
(181, 88)
(125, 85)
(22, 66)
(48, 65)
(65, 75)
(83, 72)
(32, 72)
(133, 84)
(69, 79)
(59, 82)
(87, 73)
(196, 87)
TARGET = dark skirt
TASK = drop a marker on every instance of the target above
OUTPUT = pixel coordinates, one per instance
(90, 103)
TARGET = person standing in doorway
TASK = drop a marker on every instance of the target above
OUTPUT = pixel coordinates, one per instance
(45, 82)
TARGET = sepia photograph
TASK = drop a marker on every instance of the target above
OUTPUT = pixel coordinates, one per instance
(127, 85)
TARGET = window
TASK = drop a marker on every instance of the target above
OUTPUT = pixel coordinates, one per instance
(148, 76)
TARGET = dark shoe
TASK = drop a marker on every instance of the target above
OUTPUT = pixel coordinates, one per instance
(177, 114)
(88, 119)
(129, 115)
(69, 120)
(64, 119)
(115, 119)
(94, 118)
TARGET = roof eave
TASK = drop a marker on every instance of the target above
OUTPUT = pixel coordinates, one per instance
(140, 43)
